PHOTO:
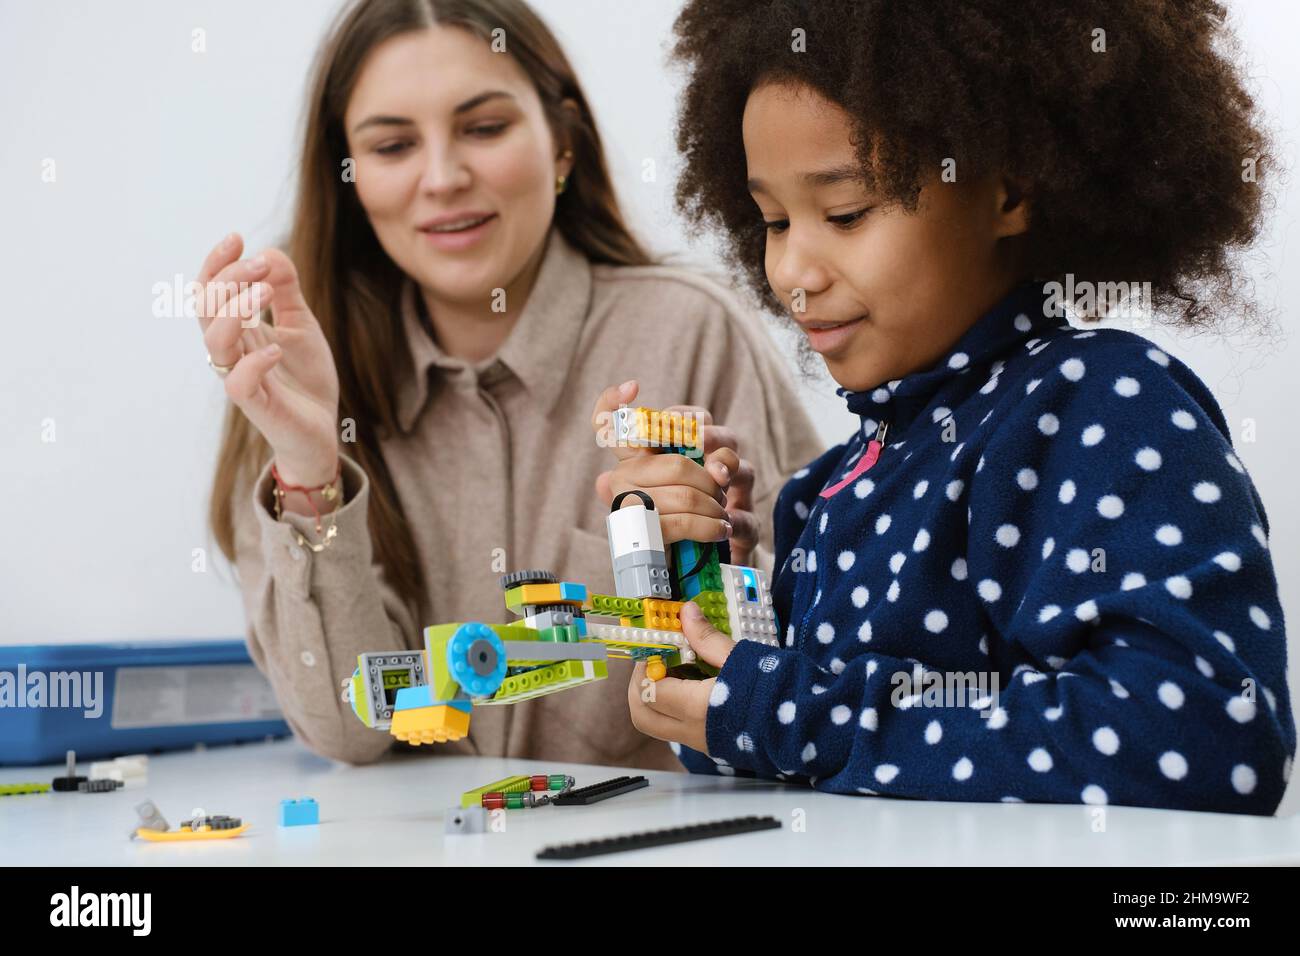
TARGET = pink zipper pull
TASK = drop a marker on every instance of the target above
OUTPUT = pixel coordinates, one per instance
(869, 458)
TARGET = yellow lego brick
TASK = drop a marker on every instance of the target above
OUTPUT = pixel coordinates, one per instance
(659, 428)
(663, 615)
(560, 592)
(425, 725)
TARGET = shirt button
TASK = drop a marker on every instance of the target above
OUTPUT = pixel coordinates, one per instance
(308, 659)
(295, 552)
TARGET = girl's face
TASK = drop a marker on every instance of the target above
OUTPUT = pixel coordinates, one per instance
(455, 161)
(885, 292)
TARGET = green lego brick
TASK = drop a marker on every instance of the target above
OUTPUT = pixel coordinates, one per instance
(361, 705)
(559, 634)
(546, 680)
(472, 798)
(712, 601)
(612, 606)
(714, 606)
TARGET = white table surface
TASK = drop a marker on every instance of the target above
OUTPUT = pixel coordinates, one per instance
(392, 813)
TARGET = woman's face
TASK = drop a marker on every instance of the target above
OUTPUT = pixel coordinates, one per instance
(455, 161)
(885, 292)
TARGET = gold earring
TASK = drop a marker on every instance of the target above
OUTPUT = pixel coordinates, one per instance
(562, 181)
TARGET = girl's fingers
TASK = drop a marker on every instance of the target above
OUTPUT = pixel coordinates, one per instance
(740, 492)
(698, 412)
(604, 487)
(720, 436)
(689, 527)
(222, 338)
(722, 464)
(246, 381)
(645, 717)
(744, 529)
(650, 472)
(673, 499)
(602, 418)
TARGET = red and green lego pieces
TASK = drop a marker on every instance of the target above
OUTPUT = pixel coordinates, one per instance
(512, 792)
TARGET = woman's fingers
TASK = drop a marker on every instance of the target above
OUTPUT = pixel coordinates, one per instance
(223, 253)
(222, 337)
(287, 303)
(230, 280)
(247, 382)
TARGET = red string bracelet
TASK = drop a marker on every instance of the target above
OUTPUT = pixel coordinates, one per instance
(328, 491)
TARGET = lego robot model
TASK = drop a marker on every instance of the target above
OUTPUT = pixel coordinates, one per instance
(566, 636)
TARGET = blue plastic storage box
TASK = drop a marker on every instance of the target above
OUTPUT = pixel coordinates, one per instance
(103, 700)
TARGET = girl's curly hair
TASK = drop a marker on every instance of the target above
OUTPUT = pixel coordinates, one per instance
(1127, 120)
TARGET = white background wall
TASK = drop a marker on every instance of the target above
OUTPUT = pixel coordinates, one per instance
(160, 151)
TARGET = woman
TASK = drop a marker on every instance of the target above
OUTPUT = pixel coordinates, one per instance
(459, 285)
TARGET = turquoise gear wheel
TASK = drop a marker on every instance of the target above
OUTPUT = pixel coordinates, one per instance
(476, 657)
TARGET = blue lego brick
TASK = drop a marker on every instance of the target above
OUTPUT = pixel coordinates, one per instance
(573, 591)
(299, 813)
(410, 698)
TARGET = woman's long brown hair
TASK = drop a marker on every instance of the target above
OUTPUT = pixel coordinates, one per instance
(351, 284)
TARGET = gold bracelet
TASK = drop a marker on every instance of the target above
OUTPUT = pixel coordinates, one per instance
(329, 491)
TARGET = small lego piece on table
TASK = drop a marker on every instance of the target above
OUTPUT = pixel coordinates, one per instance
(640, 841)
(18, 789)
(466, 820)
(128, 770)
(150, 818)
(213, 827)
(519, 792)
(69, 783)
(597, 792)
(153, 828)
(304, 812)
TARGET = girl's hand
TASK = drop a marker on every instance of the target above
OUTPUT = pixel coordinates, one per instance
(712, 503)
(283, 379)
(676, 709)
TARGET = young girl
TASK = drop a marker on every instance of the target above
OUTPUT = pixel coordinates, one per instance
(1054, 511)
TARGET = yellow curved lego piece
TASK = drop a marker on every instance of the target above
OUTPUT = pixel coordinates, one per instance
(185, 834)
(655, 669)
(427, 725)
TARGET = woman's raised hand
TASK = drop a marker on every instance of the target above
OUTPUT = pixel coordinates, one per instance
(282, 375)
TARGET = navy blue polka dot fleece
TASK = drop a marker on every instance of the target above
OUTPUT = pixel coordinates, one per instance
(1057, 510)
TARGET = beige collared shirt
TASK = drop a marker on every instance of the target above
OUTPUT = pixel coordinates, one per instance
(495, 467)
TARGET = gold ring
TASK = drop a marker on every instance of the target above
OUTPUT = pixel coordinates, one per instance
(222, 370)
